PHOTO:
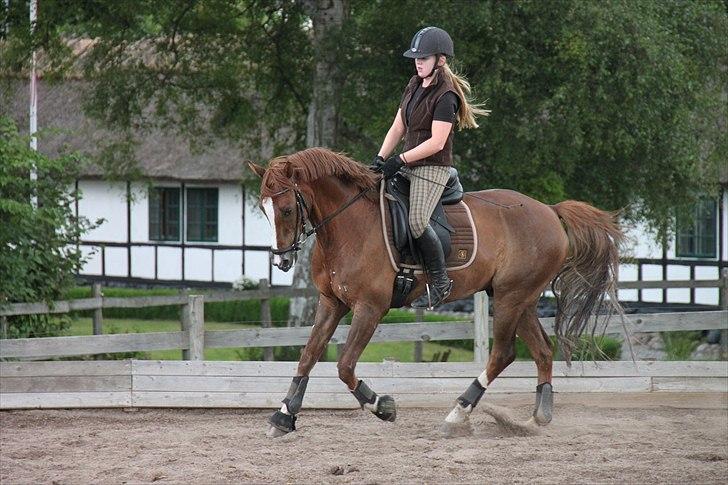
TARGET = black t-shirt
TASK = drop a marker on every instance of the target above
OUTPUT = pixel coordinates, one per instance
(445, 109)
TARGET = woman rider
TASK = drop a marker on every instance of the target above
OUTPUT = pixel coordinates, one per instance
(434, 99)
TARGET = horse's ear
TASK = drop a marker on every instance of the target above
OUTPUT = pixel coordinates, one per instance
(257, 169)
(290, 171)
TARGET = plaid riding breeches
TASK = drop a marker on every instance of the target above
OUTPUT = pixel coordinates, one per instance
(424, 194)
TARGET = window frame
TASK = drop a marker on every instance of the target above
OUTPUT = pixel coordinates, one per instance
(205, 204)
(160, 236)
(697, 230)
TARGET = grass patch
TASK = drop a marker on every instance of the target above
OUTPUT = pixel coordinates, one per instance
(680, 345)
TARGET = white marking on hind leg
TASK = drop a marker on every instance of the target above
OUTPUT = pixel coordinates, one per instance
(460, 414)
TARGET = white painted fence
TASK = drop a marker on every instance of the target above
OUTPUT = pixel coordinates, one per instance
(196, 383)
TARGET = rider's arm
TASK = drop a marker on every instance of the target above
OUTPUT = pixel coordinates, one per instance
(434, 144)
(394, 135)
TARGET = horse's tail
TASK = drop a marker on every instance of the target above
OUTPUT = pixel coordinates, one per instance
(589, 273)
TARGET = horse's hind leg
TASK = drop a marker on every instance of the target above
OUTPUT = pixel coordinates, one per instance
(328, 314)
(363, 323)
(532, 333)
(507, 312)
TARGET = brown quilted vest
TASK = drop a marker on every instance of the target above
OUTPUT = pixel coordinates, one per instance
(421, 119)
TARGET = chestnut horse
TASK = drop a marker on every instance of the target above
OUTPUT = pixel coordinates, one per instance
(523, 245)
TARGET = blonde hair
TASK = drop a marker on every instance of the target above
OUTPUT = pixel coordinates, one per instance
(469, 109)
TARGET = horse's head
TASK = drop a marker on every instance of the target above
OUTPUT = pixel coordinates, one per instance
(285, 210)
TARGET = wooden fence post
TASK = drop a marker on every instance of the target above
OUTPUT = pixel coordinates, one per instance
(265, 317)
(420, 312)
(4, 326)
(98, 312)
(193, 321)
(480, 320)
(723, 299)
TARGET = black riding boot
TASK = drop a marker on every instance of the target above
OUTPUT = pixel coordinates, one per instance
(434, 260)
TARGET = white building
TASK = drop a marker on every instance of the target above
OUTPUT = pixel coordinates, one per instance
(697, 251)
(193, 223)
(190, 222)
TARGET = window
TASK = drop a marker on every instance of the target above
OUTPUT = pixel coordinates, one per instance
(697, 236)
(202, 215)
(164, 217)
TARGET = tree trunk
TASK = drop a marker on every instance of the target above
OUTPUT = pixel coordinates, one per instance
(328, 17)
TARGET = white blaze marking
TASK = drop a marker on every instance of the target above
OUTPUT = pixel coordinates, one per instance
(271, 215)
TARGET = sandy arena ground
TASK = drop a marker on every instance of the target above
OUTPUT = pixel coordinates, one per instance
(595, 438)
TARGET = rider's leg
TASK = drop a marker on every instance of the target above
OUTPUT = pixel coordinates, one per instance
(426, 186)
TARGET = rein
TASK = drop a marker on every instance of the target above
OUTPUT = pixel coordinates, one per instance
(303, 215)
(411, 174)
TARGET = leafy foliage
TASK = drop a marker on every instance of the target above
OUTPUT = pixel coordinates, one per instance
(38, 253)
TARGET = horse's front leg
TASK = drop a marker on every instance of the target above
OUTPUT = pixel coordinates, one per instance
(328, 314)
(364, 321)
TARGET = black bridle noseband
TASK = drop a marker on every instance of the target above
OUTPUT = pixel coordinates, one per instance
(303, 215)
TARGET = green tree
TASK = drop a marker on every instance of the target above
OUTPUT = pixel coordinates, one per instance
(38, 254)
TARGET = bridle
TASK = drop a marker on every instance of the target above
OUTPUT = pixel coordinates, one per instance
(303, 216)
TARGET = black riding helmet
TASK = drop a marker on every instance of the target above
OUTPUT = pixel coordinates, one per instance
(429, 41)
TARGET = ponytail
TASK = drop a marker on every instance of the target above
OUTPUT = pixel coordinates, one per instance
(468, 108)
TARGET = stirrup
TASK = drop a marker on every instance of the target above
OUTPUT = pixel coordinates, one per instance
(439, 297)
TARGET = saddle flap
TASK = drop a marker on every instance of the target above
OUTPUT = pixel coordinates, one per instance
(452, 223)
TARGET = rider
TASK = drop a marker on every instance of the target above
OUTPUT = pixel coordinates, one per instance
(434, 100)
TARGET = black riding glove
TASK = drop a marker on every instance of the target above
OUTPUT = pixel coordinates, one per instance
(392, 166)
(377, 163)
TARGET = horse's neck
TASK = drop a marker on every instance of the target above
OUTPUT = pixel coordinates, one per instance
(354, 222)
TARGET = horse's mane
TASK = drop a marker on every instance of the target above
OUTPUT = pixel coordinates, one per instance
(312, 164)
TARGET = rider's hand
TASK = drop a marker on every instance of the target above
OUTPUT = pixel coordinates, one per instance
(392, 166)
(377, 163)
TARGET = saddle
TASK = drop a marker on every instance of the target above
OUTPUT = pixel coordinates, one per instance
(451, 221)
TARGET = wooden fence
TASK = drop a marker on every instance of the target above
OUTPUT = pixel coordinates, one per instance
(193, 382)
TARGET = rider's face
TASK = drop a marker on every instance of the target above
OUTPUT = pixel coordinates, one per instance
(424, 65)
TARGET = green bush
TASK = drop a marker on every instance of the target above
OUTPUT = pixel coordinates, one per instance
(680, 345)
(38, 254)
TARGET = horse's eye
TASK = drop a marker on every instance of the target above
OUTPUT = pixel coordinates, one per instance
(287, 212)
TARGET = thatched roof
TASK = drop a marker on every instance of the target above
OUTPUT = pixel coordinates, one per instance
(160, 155)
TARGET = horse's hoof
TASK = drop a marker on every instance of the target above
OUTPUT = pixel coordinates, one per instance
(274, 432)
(280, 424)
(386, 408)
(457, 430)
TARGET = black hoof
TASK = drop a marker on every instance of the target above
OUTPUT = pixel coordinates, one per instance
(283, 422)
(386, 408)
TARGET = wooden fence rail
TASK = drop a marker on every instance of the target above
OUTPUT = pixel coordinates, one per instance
(139, 383)
(192, 338)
